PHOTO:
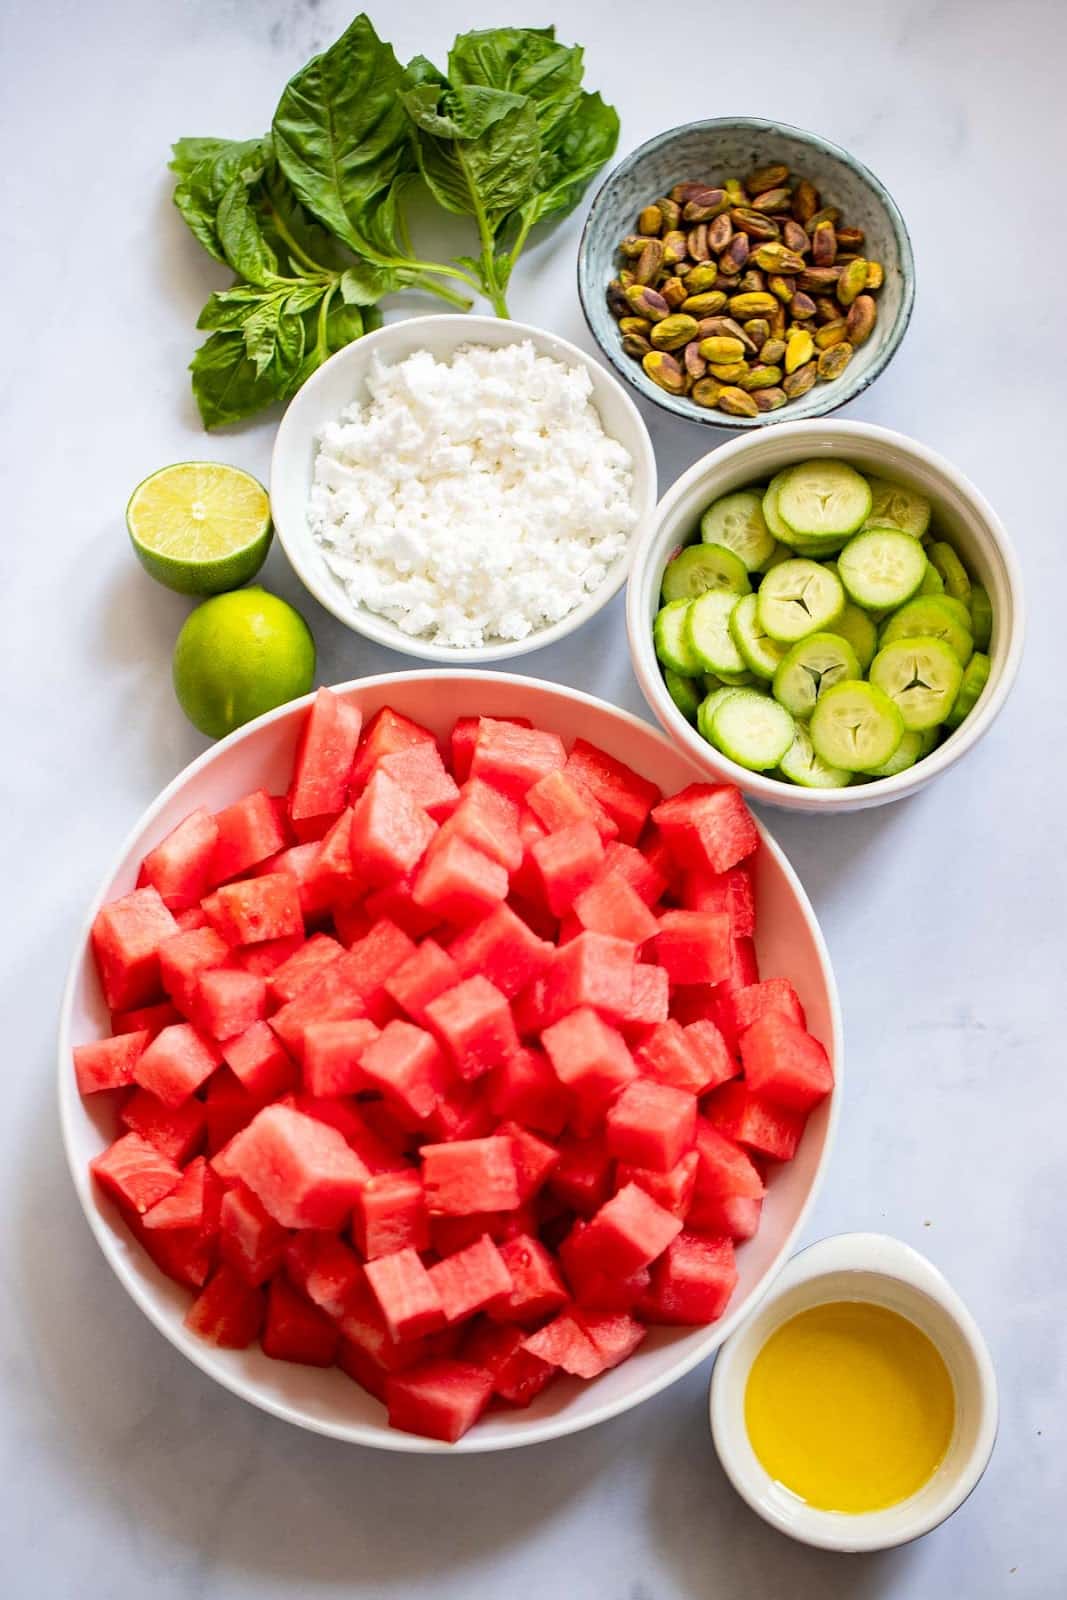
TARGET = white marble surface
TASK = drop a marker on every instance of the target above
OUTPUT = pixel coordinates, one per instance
(123, 1471)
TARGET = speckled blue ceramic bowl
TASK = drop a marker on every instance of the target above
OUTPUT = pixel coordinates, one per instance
(728, 147)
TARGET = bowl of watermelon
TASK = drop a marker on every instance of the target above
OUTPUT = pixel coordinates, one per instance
(445, 1065)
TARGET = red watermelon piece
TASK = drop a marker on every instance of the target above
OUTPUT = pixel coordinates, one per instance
(196, 1204)
(325, 1270)
(768, 1129)
(557, 804)
(249, 1238)
(135, 1173)
(651, 1124)
(513, 758)
(692, 1282)
(536, 1286)
(694, 946)
(474, 1022)
(227, 1312)
(568, 862)
(420, 770)
(183, 960)
(612, 905)
(405, 1064)
(707, 827)
(256, 909)
(295, 1330)
(441, 1398)
(638, 869)
(783, 1063)
(333, 1050)
(229, 1001)
(470, 1175)
(176, 1063)
(581, 1181)
(503, 949)
(145, 1019)
(488, 821)
(624, 794)
(180, 866)
(593, 970)
(389, 831)
(126, 938)
(176, 1131)
(427, 973)
(387, 732)
(248, 832)
(518, 1377)
(108, 1063)
(772, 995)
(628, 1232)
(324, 757)
(673, 1189)
(390, 1215)
(303, 1171)
(525, 1089)
(589, 1056)
(405, 1294)
(730, 892)
(458, 882)
(470, 1279)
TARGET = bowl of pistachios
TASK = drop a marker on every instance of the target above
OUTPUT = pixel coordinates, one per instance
(739, 272)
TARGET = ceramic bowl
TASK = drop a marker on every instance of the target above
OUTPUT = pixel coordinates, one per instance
(343, 379)
(965, 517)
(869, 1267)
(788, 942)
(727, 147)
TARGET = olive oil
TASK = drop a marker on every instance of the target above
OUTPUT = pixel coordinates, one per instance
(850, 1406)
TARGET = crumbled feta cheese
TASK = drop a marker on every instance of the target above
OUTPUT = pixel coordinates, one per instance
(472, 500)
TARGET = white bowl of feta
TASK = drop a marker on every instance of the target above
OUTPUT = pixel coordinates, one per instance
(462, 489)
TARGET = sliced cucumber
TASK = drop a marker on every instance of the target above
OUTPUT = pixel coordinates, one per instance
(813, 665)
(907, 752)
(856, 626)
(752, 729)
(820, 499)
(672, 646)
(708, 708)
(707, 634)
(922, 676)
(736, 522)
(801, 765)
(797, 598)
(733, 680)
(952, 570)
(685, 692)
(856, 727)
(701, 567)
(771, 514)
(931, 738)
(975, 678)
(981, 617)
(882, 567)
(894, 506)
(758, 649)
(820, 549)
(933, 582)
(933, 616)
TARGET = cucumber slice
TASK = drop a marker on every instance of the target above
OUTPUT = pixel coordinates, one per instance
(820, 499)
(981, 617)
(810, 668)
(923, 678)
(668, 636)
(907, 752)
(952, 570)
(758, 649)
(975, 678)
(882, 567)
(733, 680)
(708, 708)
(820, 549)
(933, 582)
(801, 765)
(752, 729)
(771, 514)
(933, 616)
(707, 634)
(685, 692)
(797, 598)
(856, 626)
(736, 522)
(894, 506)
(931, 738)
(856, 727)
(701, 567)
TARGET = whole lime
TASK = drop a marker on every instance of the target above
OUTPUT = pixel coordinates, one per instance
(239, 655)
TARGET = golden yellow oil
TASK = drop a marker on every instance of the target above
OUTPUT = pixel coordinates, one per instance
(850, 1406)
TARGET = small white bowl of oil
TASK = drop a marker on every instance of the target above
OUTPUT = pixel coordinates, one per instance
(857, 1409)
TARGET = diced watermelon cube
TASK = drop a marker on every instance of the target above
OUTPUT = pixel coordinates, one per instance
(743, 971)
(529, 1010)
(557, 803)
(589, 1056)
(624, 794)
(196, 1204)
(612, 905)
(332, 1053)
(373, 959)
(534, 1159)
(449, 1234)
(188, 920)
(406, 1065)
(649, 997)
(629, 1231)
(784, 1064)
(260, 1062)
(536, 1286)
(227, 1108)
(526, 1089)
(183, 960)
(526, 881)
(692, 1281)
(461, 742)
(176, 1131)
(707, 1043)
(249, 832)
(563, 1343)
(421, 978)
(613, 1335)
(263, 960)
(256, 909)
(474, 1022)
(440, 1398)
(303, 1171)
(420, 770)
(707, 827)
(405, 1293)
(390, 1215)
(332, 877)
(512, 758)
(135, 1173)
(331, 992)
(386, 732)
(592, 1288)
(324, 1269)
(729, 891)
(176, 1063)
(471, 1279)
(694, 946)
(390, 832)
(287, 980)
(249, 1238)
(489, 821)
(126, 937)
(673, 1190)
(294, 1330)
(228, 1002)
(518, 1377)
(763, 1126)
(470, 1175)
(582, 1179)
(146, 1019)
(108, 1063)
(568, 862)
(303, 862)
(324, 757)
(503, 949)
(180, 865)
(773, 994)
(227, 1312)
(594, 970)
(637, 869)
(651, 1124)
(458, 882)
(395, 902)
(363, 1328)
(724, 1168)
(735, 1214)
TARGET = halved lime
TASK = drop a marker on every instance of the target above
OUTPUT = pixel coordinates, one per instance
(200, 527)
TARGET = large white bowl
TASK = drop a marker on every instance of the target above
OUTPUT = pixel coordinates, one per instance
(960, 511)
(343, 379)
(789, 943)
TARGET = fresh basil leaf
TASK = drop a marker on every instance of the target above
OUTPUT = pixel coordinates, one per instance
(241, 237)
(580, 148)
(227, 386)
(478, 148)
(359, 286)
(524, 61)
(228, 310)
(304, 298)
(188, 153)
(340, 134)
(200, 187)
(344, 322)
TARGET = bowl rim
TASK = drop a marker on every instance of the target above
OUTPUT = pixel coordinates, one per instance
(756, 784)
(835, 396)
(381, 1436)
(299, 548)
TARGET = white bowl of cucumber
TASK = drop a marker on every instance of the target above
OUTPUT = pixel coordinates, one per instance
(828, 615)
